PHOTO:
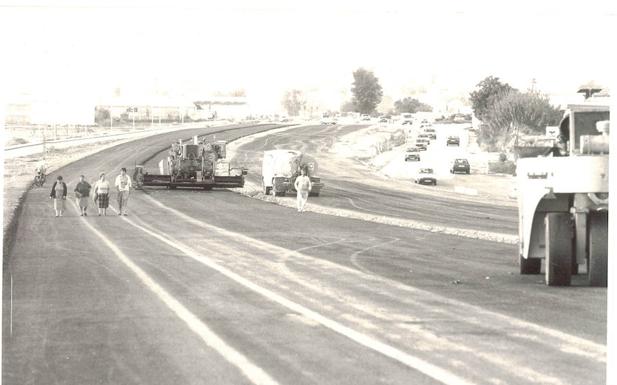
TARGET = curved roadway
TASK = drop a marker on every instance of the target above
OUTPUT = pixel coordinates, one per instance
(197, 287)
(346, 189)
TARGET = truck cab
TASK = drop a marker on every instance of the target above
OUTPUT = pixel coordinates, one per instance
(563, 200)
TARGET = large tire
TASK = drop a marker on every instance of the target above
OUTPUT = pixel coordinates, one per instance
(529, 265)
(315, 194)
(558, 249)
(598, 249)
(279, 193)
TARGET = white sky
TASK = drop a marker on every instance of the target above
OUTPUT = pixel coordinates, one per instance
(61, 49)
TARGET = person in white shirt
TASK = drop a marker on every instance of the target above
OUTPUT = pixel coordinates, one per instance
(303, 186)
(101, 194)
(123, 184)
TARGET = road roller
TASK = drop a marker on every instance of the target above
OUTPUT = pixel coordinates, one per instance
(563, 201)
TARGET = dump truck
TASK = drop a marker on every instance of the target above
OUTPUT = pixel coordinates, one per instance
(563, 200)
(200, 164)
(281, 167)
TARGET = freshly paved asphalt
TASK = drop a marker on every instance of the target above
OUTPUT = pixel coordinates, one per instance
(346, 190)
(197, 287)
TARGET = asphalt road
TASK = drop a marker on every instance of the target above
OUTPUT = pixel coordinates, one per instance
(345, 187)
(210, 287)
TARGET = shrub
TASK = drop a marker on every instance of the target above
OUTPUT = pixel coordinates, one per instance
(506, 167)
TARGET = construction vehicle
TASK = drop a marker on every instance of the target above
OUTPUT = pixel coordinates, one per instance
(281, 167)
(563, 200)
(200, 164)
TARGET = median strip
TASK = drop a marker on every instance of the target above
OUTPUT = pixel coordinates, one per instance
(253, 191)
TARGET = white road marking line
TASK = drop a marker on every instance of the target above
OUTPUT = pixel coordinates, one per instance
(354, 257)
(251, 371)
(409, 360)
(597, 350)
(11, 312)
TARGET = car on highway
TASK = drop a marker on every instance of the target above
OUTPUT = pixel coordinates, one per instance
(425, 175)
(365, 117)
(453, 141)
(406, 118)
(412, 155)
(328, 121)
(422, 143)
(460, 165)
(430, 132)
(383, 119)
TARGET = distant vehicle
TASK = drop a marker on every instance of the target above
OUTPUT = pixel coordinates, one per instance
(280, 169)
(383, 119)
(422, 141)
(425, 176)
(365, 117)
(421, 146)
(453, 141)
(406, 118)
(424, 136)
(283, 119)
(328, 121)
(460, 165)
(412, 157)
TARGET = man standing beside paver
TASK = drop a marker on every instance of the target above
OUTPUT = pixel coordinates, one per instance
(82, 192)
(123, 184)
(303, 186)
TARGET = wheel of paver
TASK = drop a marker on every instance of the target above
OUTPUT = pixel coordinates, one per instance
(529, 265)
(558, 248)
(598, 249)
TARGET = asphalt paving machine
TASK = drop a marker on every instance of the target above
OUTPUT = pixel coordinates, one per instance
(563, 200)
(280, 169)
(200, 164)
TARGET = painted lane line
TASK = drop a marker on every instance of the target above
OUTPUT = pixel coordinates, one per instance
(409, 360)
(513, 367)
(570, 341)
(11, 322)
(251, 371)
(353, 258)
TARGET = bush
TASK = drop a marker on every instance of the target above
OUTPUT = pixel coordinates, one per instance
(503, 157)
(507, 167)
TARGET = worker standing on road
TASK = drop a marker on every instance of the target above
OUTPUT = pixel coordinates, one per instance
(58, 194)
(101, 194)
(123, 184)
(82, 193)
(303, 186)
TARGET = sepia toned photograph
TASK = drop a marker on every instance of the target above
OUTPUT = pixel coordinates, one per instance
(307, 192)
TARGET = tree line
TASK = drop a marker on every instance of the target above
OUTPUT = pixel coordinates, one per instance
(505, 112)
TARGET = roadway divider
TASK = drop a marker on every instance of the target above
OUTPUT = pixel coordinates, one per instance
(254, 191)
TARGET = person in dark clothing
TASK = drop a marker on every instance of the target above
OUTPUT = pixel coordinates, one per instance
(58, 194)
(82, 192)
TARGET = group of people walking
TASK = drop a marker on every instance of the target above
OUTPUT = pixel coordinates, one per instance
(100, 193)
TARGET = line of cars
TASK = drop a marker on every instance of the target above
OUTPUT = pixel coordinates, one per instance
(425, 135)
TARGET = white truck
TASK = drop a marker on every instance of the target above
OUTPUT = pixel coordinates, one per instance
(563, 200)
(280, 169)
